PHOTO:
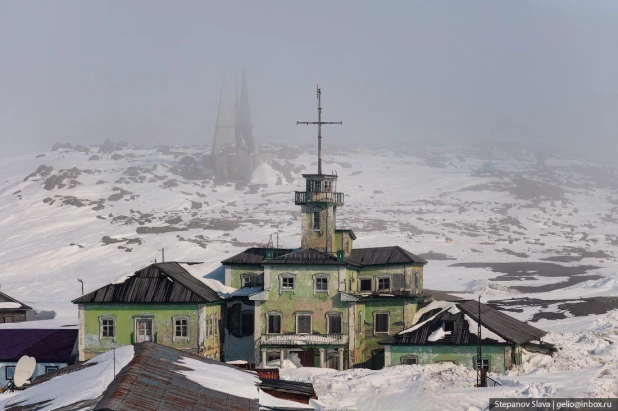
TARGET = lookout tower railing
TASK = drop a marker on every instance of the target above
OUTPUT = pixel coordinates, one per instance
(306, 197)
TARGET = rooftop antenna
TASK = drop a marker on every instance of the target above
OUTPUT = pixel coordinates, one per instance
(81, 281)
(319, 123)
(23, 370)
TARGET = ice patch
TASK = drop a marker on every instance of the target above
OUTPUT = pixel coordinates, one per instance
(488, 287)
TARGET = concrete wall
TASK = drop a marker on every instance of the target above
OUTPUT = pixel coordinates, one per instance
(163, 326)
(459, 354)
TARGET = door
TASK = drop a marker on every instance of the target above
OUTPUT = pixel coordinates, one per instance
(307, 358)
(143, 329)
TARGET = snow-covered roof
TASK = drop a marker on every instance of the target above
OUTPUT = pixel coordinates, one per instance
(7, 302)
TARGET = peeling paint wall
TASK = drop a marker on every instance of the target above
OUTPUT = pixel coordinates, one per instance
(239, 270)
(407, 280)
(318, 239)
(163, 326)
(459, 354)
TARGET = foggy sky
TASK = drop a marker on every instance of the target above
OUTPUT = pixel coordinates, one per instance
(538, 72)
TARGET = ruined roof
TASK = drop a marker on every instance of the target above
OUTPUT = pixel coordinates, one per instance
(7, 299)
(383, 256)
(153, 380)
(254, 255)
(308, 256)
(294, 387)
(156, 283)
(506, 327)
(44, 345)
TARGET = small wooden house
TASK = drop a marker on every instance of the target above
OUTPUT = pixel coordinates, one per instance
(11, 310)
(447, 332)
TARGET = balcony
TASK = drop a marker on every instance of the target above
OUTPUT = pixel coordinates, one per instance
(305, 197)
(304, 339)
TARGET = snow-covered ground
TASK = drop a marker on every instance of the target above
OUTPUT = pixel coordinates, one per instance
(538, 243)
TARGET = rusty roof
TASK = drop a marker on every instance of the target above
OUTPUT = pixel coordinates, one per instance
(156, 283)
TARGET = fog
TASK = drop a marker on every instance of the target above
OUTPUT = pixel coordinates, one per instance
(537, 73)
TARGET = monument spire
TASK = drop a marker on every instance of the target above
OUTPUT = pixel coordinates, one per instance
(319, 123)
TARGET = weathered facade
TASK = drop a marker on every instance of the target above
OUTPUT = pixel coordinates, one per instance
(161, 303)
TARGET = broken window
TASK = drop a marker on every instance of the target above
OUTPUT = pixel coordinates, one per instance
(409, 360)
(248, 280)
(303, 324)
(449, 326)
(247, 323)
(380, 324)
(384, 284)
(334, 323)
(365, 284)
(107, 327)
(274, 324)
(317, 220)
(181, 328)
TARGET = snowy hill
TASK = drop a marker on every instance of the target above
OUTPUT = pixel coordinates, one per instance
(99, 212)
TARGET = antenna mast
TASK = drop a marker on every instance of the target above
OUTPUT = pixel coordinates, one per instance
(319, 123)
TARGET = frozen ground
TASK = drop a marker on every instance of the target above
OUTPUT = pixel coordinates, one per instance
(538, 242)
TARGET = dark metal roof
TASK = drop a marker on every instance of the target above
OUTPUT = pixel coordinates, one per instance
(308, 256)
(44, 345)
(153, 381)
(7, 299)
(346, 230)
(304, 388)
(383, 256)
(510, 329)
(255, 255)
(156, 283)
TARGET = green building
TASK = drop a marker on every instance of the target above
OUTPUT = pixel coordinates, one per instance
(448, 332)
(162, 303)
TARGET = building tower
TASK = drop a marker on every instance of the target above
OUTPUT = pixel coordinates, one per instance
(319, 201)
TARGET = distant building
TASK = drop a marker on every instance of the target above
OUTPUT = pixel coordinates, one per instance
(447, 332)
(11, 310)
(52, 350)
(160, 303)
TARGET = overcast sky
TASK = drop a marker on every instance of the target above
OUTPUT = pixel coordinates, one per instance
(539, 72)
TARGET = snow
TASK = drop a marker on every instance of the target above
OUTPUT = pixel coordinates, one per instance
(442, 305)
(438, 334)
(67, 389)
(9, 305)
(485, 332)
(268, 401)
(264, 174)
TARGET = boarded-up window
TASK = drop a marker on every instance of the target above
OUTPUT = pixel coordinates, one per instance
(303, 324)
(334, 324)
(399, 282)
(274, 324)
(381, 323)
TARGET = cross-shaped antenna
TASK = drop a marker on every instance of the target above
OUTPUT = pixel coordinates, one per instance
(319, 123)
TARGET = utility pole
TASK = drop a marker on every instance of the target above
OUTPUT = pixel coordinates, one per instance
(319, 123)
(81, 281)
(480, 377)
(162, 255)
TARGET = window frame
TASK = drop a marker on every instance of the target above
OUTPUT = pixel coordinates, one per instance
(180, 318)
(375, 322)
(6, 372)
(107, 318)
(408, 357)
(272, 354)
(360, 323)
(365, 278)
(287, 276)
(304, 314)
(475, 362)
(253, 277)
(47, 368)
(328, 317)
(315, 283)
(384, 277)
(314, 226)
(268, 315)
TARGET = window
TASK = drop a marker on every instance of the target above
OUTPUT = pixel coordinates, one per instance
(384, 284)
(209, 326)
(287, 282)
(273, 356)
(303, 323)
(181, 329)
(274, 324)
(315, 186)
(328, 185)
(317, 220)
(334, 323)
(417, 282)
(380, 323)
(449, 326)
(248, 280)
(9, 372)
(360, 323)
(215, 325)
(49, 369)
(365, 284)
(409, 360)
(320, 283)
(485, 363)
(107, 327)
(246, 323)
